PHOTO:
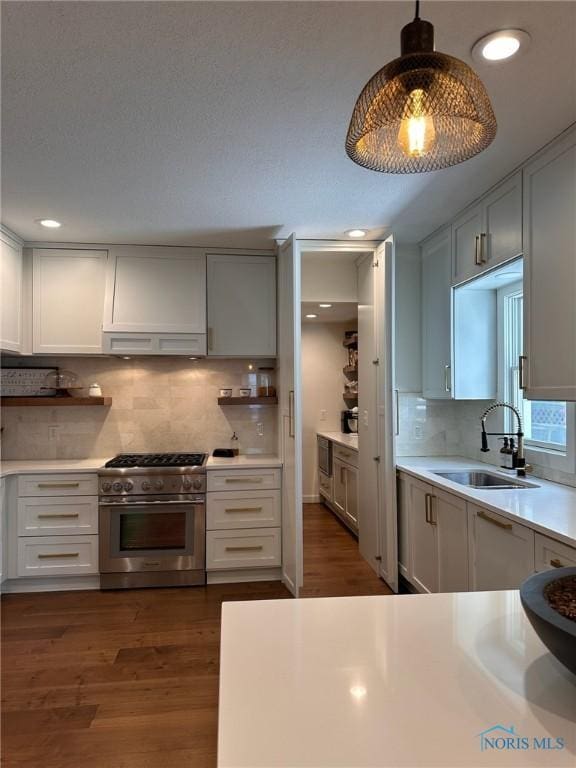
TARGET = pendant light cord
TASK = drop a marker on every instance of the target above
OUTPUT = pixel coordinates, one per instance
(417, 14)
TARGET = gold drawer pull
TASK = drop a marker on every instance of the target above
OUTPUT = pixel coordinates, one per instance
(59, 554)
(244, 509)
(245, 549)
(484, 516)
(244, 480)
(556, 563)
(58, 485)
(61, 516)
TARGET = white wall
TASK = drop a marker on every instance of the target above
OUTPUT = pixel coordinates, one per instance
(323, 358)
(329, 276)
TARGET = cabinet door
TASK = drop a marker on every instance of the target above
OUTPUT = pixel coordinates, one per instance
(424, 573)
(436, 316)
(502, 231)
(11, 295)
(550, 553)
(352, 495)
(466, 244)
(450, 515)
(68, 300)
(550, 272)
(339, 487)
(403, 496)
(501, 552)
(156, 290)
(241, 305)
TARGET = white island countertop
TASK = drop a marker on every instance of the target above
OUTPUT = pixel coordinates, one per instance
(53, 466)
(550, 508)
(408, 680)
(341, 438)
(244, 461)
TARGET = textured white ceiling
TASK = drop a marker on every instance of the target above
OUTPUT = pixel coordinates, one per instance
(223, 123)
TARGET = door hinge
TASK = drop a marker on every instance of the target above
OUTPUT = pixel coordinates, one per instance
(377, 458)
(376, 362)
(375, 264)
(379, 558)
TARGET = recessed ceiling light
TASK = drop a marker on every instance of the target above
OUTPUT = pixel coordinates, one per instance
(356, 233)
(50, 223)
(324, 306)
(498, 46)
(311, 316)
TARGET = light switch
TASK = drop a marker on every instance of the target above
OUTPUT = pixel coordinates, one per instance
(323, 415)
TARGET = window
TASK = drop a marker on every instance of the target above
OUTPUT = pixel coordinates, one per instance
(545, 421)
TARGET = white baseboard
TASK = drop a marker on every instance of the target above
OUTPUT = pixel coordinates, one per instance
(246, 574)
(54, 584)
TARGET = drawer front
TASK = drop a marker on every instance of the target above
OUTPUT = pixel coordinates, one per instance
(254, 548)
(73, 484)
(244, 479)
(243, 509)
(348, 455)
(325, 485)
(57, 516)
(57, 555)
(553, 554)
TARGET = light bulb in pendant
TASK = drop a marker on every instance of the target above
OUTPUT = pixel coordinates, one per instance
(417, 134)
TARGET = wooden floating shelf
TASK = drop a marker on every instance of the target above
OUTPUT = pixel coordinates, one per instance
(247, 401)
(17, 402)
(350, 369)
(350, 396)
(352, 342)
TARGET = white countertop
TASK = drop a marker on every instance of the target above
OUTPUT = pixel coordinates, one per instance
(52, 466)
(249, 461)
(550, 508)
(409, 680)
(348, 441)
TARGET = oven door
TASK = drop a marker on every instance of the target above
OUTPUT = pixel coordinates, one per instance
(160, 534)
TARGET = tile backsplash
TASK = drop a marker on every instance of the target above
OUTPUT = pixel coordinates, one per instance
(452, 428)
(158, 404)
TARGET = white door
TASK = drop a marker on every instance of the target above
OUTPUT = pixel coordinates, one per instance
(386, 464)
(11, 295)
(241, 305)
(467, 243)
(68, 300)
(503, 222)
(290, 412)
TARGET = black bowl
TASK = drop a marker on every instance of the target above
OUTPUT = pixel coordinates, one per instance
(556, 631)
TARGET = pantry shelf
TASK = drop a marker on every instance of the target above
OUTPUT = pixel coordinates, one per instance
(17, 402)
(247, 401)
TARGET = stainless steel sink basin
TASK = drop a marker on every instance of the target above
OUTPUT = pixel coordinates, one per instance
(475, 478)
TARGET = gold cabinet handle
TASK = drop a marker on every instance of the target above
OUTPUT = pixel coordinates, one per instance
(505, 526)
(58, 485)
(483, 259)
(245, 549)
(477, 255)
(244, 509)
(50, 516)
(58, 554)
(244, 480)
(521, 382)
(447, 383)
(429, 500)
(556, 563)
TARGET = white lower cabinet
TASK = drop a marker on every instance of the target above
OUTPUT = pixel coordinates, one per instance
(501, 551)
(436, 542)
(345, 492)
(324, 486)
(553, 554)
(243, 524)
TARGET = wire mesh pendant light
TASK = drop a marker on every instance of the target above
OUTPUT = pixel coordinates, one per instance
(421, 112)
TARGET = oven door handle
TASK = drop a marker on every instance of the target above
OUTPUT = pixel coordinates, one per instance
(125, 504)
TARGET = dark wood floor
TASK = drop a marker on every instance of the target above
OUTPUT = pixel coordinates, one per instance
(130, 679)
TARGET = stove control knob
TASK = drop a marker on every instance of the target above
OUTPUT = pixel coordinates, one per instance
(146, 485)
(158, 484)
(106, 486)
(186, 484)
(117, 486)
(128, 485)
(197, 484)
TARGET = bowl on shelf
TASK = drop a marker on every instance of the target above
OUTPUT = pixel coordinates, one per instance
(549, 599)
(64, 383)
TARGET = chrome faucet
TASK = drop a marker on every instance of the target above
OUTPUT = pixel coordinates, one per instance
(518, 457)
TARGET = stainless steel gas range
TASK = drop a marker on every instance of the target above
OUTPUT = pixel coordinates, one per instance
(152, 511)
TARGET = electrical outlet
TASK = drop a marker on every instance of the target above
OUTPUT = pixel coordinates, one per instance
(417, 431)
(53, 431)
(323, 415)
(260, 429)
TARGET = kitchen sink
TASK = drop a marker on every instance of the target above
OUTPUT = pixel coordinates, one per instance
(474, 478)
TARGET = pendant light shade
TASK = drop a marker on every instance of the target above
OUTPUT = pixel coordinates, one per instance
(421, 112)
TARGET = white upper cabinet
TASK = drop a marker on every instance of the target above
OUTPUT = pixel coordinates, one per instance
(11, 295)
(489, 232)
(550, 272)
(436, 316)
(68, 300)
(156, 290)
(241, 305)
